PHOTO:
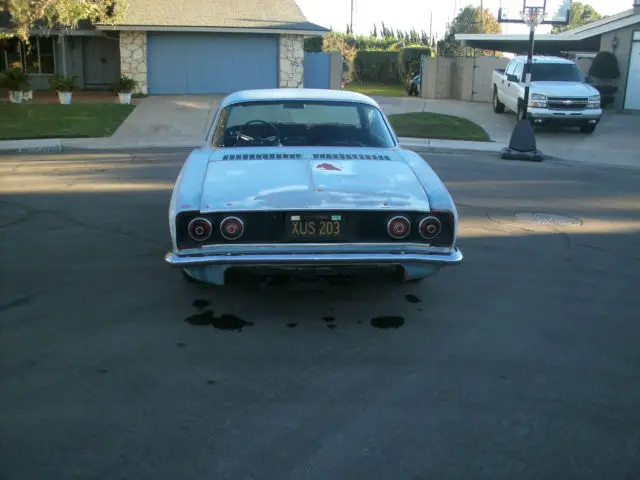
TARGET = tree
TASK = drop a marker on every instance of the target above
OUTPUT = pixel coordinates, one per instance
(25, 14)
(374, 32)
(581, 14)
(469, 20)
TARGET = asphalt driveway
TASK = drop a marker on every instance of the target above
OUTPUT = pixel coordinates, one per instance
(522, 362)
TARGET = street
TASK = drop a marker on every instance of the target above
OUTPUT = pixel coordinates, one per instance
(521, 363)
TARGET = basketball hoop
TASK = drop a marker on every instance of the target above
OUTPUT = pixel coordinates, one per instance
(533, 16)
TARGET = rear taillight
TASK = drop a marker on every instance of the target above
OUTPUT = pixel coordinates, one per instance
(399, 227)
(200, 229)
(231, 228)
(430, 228)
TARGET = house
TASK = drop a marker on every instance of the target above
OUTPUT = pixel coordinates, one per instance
(619, 34)
(174, 47)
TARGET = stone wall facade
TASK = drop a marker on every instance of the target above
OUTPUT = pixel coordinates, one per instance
(291, 61)
(133, 58)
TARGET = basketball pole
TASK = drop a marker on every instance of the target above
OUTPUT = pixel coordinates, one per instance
(532, 32)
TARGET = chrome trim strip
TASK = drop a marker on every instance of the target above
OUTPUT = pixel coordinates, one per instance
(314, 260)
(313, 248)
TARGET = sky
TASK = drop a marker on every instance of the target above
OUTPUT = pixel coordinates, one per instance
(407, 14)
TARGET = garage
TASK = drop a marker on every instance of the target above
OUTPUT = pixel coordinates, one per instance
(210, 63)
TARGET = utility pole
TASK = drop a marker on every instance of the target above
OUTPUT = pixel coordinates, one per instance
(431, 27)
(482, 14)
(351, 22)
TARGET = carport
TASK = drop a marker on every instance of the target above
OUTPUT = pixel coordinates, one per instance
(519, 44)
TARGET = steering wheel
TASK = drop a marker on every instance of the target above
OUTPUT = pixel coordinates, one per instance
(248, 138)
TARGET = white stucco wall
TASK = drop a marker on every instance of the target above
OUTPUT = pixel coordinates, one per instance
(133, 58)
(291, 61)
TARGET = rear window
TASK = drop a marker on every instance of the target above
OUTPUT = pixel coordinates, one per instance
(302, 123)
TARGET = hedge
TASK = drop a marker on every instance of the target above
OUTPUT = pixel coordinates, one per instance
(409, 60)
(388, 67)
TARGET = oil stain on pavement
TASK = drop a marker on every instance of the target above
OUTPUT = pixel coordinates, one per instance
(387, 322)
(223, 322)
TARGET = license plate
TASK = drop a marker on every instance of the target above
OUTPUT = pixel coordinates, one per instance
(315, 227)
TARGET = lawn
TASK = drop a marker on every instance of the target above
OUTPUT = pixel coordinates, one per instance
(22, 121)
(375, 89)
(435, 125)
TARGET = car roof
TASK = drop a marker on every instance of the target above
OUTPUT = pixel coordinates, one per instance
(300, 94)
(543, 59)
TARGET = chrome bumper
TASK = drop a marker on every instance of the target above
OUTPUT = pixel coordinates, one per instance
(324, 259)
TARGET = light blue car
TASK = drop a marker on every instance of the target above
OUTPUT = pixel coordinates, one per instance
(304, 181)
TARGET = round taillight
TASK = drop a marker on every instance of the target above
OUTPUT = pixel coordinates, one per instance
(430, 228)
(231, 228)
(200, 229)
(399, 227)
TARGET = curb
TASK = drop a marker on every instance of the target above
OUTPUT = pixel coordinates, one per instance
(53, 145)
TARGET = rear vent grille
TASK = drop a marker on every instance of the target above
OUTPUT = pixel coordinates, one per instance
(349, 156)
(262, 156)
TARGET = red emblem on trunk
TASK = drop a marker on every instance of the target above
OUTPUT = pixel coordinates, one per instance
(328, 166)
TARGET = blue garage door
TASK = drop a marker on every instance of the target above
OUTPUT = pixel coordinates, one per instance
(202, 63)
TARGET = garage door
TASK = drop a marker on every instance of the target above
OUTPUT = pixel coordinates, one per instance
(201, 63)
(632, 101)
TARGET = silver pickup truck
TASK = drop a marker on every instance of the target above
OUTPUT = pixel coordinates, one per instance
(558, 93)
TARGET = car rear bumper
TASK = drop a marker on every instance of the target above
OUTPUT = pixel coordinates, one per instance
(313, 259)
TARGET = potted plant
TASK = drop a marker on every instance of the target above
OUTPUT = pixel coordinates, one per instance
(64, 86)
(124, 87)
(17, 82)
(28, 90)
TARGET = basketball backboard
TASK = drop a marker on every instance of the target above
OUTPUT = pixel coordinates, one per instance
(556, 12)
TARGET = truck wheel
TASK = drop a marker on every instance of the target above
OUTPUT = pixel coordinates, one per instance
(588, 128)
(498, 107)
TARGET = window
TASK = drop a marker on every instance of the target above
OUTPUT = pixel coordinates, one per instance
(511, 67)
(556, 72)
(518, 71)
(302, 123)
(36, 58)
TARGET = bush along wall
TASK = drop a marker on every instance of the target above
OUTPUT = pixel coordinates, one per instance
(377, 67)
(388, 67)
(409, 60)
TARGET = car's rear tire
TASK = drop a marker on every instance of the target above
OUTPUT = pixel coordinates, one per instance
(498, 106)
(588, 128)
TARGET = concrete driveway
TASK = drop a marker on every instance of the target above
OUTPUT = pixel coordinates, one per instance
(171, 120)
(521, 363)
(614, 141)
(181, 120)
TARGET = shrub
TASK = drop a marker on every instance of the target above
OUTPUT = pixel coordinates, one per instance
(605, 66)
(15, 80)
(409, 59)
(63, 84)
(377, 67)
(125, 85)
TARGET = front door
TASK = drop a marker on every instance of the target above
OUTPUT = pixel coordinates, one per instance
(101, 62)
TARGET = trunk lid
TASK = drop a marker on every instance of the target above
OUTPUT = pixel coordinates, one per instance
(308, 181)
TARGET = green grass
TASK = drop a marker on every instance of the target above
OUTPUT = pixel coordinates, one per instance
(375, 89)
(435, 125)
(23, 121)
